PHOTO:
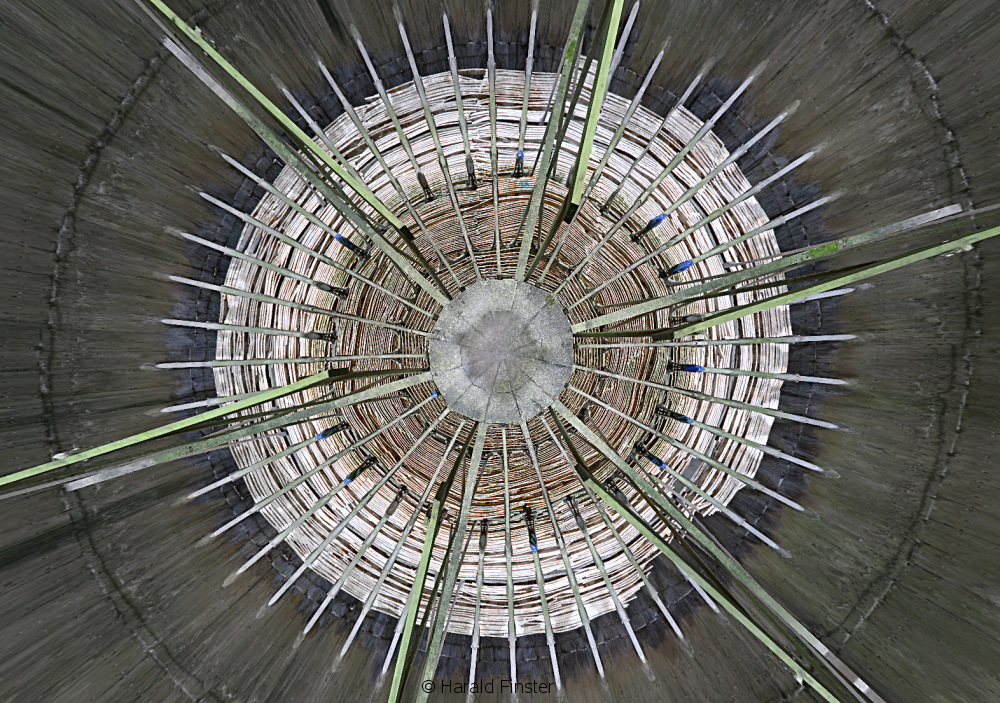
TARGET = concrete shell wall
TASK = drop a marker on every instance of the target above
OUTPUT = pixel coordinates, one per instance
(105, 596)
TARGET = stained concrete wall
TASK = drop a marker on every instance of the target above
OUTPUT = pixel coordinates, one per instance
(105, 596)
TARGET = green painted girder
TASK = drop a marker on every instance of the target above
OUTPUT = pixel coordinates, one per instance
(578, 175)
(581, 609)
(855, 275)
(438, 628)
(819, 252)
(694, 487)
(722, 559)
(581, 525)
(387, 569)
(217, 441)
(366, 136)
(303, 139)
(411, 633)
(293, 159)
(533, 213)
(599, 169)
(173, 427)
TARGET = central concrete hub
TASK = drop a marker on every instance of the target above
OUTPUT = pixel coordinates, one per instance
(501, 351)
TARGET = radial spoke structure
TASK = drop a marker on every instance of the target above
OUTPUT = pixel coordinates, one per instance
(482, 398)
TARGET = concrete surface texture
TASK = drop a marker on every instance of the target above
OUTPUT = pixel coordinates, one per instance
(501, 351)
(108, 594)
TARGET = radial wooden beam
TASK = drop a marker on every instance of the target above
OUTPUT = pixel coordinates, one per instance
(528, 66)
(263, 502)
(731, 341)
(314, 220)
(491, 74)
(509, 554)
(638, 568)
(687, 195)
(695, 488)
(550, 638)
(480, 567)
(304, 307)
(343, 523)
(374, 150)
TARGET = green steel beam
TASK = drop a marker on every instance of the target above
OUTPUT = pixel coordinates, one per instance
(812, 254)
(533, 213)
(732, 608)
(581, 609)
(173, 427)
(722, 557)
(857, 274)
(366, 136)
(387, 569)
(578, 174)
(216, 441)
(599, 170)
(346, 208)
(303, 139)
(411, 635)
(435, 640)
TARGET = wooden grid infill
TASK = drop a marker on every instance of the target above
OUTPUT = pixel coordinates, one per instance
(358, 339)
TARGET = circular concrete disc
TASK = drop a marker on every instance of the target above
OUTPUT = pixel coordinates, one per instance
(501, 351)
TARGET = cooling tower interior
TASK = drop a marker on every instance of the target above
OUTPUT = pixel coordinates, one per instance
(532, 350)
